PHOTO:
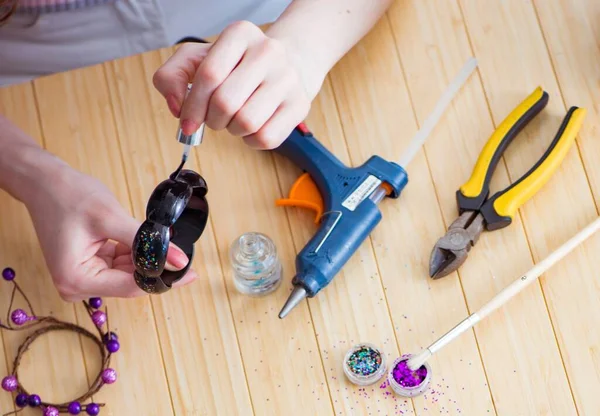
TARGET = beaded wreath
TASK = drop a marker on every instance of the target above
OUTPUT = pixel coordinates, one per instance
(19, 320)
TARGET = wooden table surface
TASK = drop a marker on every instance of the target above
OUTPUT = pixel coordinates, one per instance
(207, 350)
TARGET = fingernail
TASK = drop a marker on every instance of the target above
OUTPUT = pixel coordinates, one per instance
(173, 105)
(176, 259)
(189, 126)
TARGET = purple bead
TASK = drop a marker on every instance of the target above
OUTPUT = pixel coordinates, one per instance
(19, 317)
(95, 303)
(34, 400)
(92, 409)
(113, 346)
(8, 274)
(51, 411)
(109, 376)
(109, 336)
(74, 408)
(21, 400)
(99, 318)
(9, 383)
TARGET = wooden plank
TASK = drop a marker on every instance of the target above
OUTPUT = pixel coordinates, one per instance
(281, 357)
(352, 308)
(378, 119)
(201, 353)
(571, 30)
(19, 248)
(78, 125)
(508, 41)
(433, 45)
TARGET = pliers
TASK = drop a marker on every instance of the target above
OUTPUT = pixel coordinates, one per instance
(478, 211)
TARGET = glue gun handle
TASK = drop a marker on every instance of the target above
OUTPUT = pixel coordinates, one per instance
(308, 154)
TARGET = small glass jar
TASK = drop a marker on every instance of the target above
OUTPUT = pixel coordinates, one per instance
(257, 270)
(408, 391)
(364, 364)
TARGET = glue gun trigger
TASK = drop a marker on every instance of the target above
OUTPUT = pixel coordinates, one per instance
(304, 194)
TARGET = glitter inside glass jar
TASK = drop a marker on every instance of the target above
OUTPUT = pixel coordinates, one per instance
(364, 364)
(257, 270)
(408, 383)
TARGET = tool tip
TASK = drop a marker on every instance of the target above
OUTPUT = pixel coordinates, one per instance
(435, 272)
(442, 262)
(417, 361)
(297, 295)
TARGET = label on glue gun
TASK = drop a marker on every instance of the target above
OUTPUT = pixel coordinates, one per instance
(361, 193)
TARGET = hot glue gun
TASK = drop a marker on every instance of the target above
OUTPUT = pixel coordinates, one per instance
(345, 198)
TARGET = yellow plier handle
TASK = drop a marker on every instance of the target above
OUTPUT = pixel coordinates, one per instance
(499, 210)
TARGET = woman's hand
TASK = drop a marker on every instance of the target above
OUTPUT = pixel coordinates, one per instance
(253, 85)
(86, 238)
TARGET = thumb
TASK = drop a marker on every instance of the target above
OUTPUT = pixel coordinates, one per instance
(120, 227)
(172, 78)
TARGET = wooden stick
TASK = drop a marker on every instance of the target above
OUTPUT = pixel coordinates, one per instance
(505, 295)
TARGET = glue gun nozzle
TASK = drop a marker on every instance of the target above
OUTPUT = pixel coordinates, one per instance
(297, 295)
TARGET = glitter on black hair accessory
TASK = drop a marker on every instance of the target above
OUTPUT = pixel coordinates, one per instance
(19, 320)
(177, 213)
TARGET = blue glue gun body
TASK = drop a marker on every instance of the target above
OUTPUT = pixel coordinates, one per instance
(348, 215)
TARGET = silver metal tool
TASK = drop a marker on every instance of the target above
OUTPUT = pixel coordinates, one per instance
(189, 140)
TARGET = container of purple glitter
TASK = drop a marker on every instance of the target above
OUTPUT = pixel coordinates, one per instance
(364, 364)
(407, 383)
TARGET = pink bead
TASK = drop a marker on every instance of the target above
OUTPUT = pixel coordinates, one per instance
(20, 317)
(109, 376)
(51, 411)
(9, 383)
(99, 318)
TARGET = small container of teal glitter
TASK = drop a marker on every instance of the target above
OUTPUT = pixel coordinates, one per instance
(364, 364)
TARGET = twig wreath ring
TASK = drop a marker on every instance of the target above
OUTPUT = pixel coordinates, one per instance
(177, 212)
(19, 320)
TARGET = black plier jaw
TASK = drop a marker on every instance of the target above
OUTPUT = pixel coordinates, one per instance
(498, 210)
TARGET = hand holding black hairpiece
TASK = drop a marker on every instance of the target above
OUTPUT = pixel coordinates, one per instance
(20, 320)
(177, 213)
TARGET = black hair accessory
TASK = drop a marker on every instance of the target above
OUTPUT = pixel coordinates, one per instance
(177, 213)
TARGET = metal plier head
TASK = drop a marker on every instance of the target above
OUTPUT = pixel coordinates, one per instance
(451, 251)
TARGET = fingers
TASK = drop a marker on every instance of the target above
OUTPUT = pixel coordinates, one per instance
(246, 82)
(176, 259)
(118, 226)
(109, 272)
(117, 283)
(172, 78)
(275, 131)
(259, 108)
(224, 56)
(231, 95)
(123, 228)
